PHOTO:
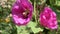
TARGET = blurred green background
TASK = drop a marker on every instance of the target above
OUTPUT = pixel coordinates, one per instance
(8, 27)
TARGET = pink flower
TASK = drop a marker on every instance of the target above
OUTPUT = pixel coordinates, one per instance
(48, 18)
(22, 12)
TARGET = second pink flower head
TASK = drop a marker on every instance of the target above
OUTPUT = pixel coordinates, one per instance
(48, 18)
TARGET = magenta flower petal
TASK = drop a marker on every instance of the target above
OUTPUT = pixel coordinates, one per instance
(48, 18)
(22, 12)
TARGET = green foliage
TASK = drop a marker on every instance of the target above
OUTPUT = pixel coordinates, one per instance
(33, 27)
(36, 30)
(22, 30)
(58, 3)
(32, 24)
(7, 28)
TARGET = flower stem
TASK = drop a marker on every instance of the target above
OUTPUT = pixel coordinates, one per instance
(35, 10)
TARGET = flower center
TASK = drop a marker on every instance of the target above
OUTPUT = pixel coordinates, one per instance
(25, 13)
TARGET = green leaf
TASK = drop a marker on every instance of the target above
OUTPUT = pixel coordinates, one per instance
(32, 24)
(22, 30)
(36, 30)
(33, 27)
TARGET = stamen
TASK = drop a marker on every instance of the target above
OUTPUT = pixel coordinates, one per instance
(25, 14)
